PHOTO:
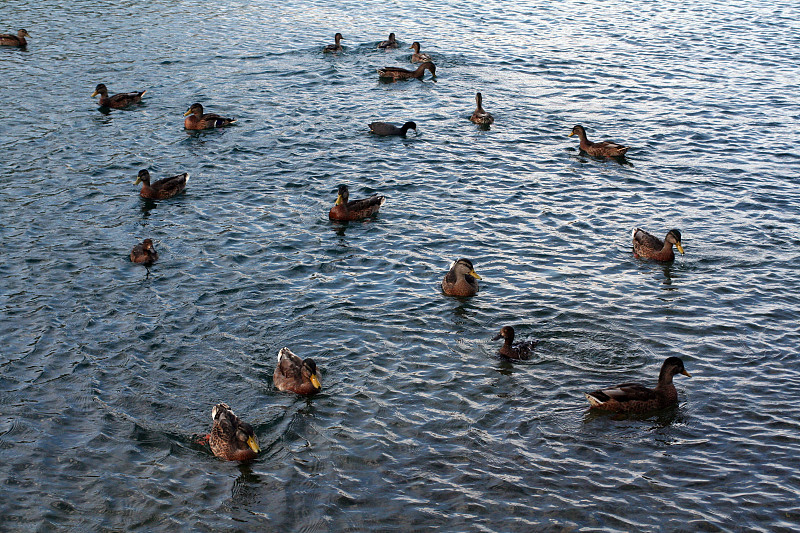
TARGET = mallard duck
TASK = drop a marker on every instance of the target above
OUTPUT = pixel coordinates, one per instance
(144, 253)
(397, 73)
(344, 209)
(651, 247)
(163, 188)
(479, 116)
(118, 101)
(633, 397)
(417, 57)
(296, 375)
(388, 43)
(460, 280)
(521, 350)
(601, 149)
(230, 438)
(197, 120)
(385, 129)
(8, 39)
(334, 47)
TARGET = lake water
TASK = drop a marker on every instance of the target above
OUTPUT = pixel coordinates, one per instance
(106, 372)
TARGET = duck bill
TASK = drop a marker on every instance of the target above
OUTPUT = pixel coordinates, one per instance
(680, 248)
(571, 134)
(189, 112)
(686, 373)
(474, 274)
(339, 200)
(253, 444)
(138, 181)
(497, 337)
(315, 381)
(95, 94)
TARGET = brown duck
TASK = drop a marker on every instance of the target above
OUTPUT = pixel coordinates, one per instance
(480, 116)
(391, 42)
(231, 438)
(649, 246)
(397, 73)
(417, 57)
(344, 209)
(601, 149)
(334, 47)
(521, 350)
(8, 39)
(118, 101)
(461, 279)
(197, 120)
(384, 129)
(633, 397)
(163, 188)
(144, 253)
(296, 375)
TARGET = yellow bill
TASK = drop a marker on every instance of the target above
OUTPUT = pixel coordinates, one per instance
(253, 443)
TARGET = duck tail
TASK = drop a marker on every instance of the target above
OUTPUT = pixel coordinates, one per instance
(186, 174)
(142, 93)
(284, 352)
(594, 402)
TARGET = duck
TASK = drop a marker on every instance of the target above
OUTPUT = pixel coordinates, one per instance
(417, 57)
(334, 47)
(636, 398)
(480, 116)
(388, 43)
(397, 73)
(197, 120)
(521, 350)
(118, 101)
(231, 438)
(601, 149)
(344, 210)
(163, 188)
(649, 246)
(296, 375)
(461, 279)
(385, 129)
(8, 39)
(144, 253)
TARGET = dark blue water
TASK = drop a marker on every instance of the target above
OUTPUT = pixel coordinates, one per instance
(107, 371)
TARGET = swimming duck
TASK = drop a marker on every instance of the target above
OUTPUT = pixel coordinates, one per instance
(389, 43)
(479, 116)
(601, 149)
(118, 101)
(231, 438)
(397, 73)
(385, 129)
(334, 47)
(633, 397)
(521, 350)
(651, 247)
(296, 375)
(417, 57)
(163, 188)
(460, 280)
(344, 209)
(8, 39)
(197, 120)
(144, 253)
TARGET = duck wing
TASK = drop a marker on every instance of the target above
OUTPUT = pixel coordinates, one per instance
(371, 203)
(643, 239)
(626, 392)
(125, 99)
(171, 186)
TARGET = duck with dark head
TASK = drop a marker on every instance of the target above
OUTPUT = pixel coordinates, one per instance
(637, 398)
(345, 209)
(520, 351)
(647, 246)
